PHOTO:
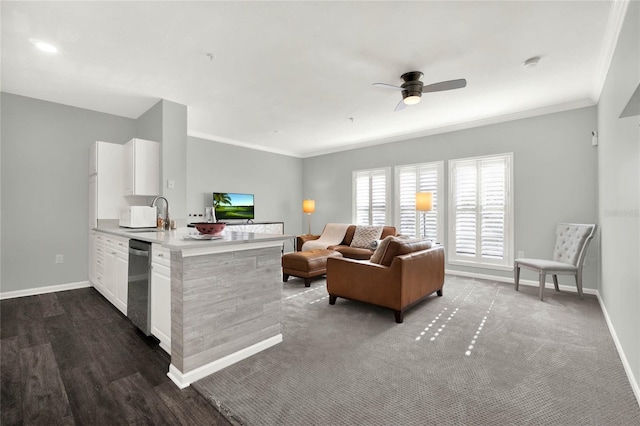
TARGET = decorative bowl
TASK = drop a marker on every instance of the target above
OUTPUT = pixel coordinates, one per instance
(210, 228)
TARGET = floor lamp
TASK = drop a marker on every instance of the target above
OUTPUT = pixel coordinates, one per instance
(308, 207)
(424, 204)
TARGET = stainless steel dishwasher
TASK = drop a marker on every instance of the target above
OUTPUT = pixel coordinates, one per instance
(139, 285)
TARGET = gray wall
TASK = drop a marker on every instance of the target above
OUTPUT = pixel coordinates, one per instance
(554, 170)
(174, 158)
(274, 180)
(166, 122)
(45, 195)
(619, 191)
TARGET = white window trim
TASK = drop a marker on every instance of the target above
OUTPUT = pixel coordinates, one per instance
(441, 197)
(452, 257)
(387, 176)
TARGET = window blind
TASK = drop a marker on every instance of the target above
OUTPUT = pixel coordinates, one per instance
(410, 180)
(371, 195)
(480, 208)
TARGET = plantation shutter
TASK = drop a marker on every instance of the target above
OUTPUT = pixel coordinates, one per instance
(370, 197)
(493, 195)
(481, 210)
(407, 201)
(413, 179)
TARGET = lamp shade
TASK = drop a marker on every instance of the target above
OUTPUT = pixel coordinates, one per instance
(424, 201)
(309, 206)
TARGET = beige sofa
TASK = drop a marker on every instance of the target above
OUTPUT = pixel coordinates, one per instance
(345, 246)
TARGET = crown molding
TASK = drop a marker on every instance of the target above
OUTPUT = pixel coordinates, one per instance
(461, 126)
(612, 33)
(229, 141)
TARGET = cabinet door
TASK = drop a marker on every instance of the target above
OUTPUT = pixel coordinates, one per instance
(93, 201)
(121, 281)
(161, 305)
(92, 257)
(142, 167)
(100, 265)
(110, 273)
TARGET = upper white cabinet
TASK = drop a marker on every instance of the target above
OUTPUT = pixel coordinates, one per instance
(141, 159)
(105, 182)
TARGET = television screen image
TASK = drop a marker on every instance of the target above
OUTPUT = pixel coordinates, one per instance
(229, 206)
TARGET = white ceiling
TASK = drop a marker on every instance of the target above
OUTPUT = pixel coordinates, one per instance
(288, 77)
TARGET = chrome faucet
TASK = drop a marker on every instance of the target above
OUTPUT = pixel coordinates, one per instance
(167, 224)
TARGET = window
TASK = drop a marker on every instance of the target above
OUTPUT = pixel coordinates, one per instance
(419, 178)
(370, 197)
(481, 212)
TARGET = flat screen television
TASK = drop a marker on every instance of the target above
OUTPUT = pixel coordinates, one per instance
(233, 206)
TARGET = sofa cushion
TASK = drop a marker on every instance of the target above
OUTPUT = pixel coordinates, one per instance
(377, 255)
(398, 247)
(365, 235)
(353, 252)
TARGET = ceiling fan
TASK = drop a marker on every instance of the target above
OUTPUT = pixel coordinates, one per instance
(412, 88)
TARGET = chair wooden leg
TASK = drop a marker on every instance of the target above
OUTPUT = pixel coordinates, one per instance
(516, 275)
(332, 299)
(555, 282)
(543, 278)
(307, 282)
(579, 283)
(399, 316)
(285, 277)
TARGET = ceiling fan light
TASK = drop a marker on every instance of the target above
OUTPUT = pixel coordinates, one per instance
(411, 100)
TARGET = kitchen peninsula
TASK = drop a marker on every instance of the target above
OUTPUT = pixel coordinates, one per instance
(225, 297)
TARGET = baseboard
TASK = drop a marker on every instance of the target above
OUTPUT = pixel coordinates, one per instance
(183, 380)
(623, 358)
(568, 288)
(43, 290)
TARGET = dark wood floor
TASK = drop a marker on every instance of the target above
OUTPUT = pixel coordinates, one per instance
(72, 358)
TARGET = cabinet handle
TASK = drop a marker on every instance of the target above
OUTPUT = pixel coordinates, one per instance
(160, 254)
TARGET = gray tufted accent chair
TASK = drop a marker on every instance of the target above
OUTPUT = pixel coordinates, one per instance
(572, 240)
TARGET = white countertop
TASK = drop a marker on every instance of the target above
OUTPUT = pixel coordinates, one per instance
(177, 239)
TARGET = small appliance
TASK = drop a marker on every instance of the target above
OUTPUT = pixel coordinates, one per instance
(138, 217)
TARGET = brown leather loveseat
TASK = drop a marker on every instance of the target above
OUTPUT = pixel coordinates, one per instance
(345, 246)
(408, 271)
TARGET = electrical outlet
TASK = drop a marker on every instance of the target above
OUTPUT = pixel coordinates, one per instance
(59, 258)
(520, 254)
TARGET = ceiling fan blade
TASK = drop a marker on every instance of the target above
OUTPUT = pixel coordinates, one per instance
(387, 86)
(401, 105)
(445, 85)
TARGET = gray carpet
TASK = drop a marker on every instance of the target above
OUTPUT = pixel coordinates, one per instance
(482, 354)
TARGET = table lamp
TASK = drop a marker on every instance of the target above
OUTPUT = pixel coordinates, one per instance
(308, 207)
(424, 204)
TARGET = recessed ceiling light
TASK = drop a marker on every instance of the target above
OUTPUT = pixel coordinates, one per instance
(531, 62)
(45, 47)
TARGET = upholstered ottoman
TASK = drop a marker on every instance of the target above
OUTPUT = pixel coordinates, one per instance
(306, 264)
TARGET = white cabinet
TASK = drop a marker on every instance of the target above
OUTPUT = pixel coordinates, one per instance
(99, 251)
(111, 260)
(105, 182)
(161, 296)
(121, 273)
(141, 159)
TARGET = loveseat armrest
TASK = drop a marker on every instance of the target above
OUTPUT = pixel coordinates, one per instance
(301, 239)
(364, 281)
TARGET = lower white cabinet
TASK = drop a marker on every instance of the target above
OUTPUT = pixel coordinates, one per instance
(161, 295)
(111, 268)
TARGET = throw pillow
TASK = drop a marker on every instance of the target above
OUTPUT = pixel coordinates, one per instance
(377, 255)
(365, 235)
